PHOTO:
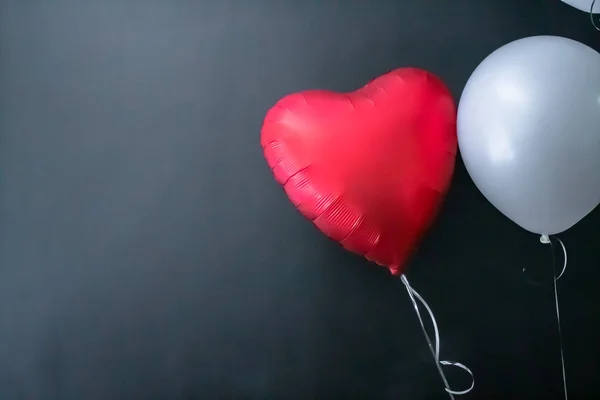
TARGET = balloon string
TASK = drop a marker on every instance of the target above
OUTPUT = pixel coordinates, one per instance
(592, 16)
(434, 347)
(560, 335)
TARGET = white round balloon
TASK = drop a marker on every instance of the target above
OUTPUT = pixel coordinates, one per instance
(584, 5)
(529, 131)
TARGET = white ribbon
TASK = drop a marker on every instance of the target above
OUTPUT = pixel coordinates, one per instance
(546, 240)
(434, 347)
(592, 16)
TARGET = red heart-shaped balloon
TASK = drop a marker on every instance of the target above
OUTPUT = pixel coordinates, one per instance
(370, 168)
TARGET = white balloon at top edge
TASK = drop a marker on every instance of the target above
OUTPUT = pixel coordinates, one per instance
(584, 5)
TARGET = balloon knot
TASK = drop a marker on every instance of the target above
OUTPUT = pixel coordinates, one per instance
(545, 239)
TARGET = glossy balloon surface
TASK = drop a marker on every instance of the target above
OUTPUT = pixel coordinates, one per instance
(529, 131)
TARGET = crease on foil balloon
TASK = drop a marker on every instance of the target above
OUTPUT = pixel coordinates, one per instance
(434, 346)
(545, 239)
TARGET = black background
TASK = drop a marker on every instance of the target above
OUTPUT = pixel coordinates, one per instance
(147, 253)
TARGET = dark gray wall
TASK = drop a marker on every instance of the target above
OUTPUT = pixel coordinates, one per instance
(147, 253)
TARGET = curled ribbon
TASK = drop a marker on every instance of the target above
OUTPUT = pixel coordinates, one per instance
(592, 16)
(434, 347)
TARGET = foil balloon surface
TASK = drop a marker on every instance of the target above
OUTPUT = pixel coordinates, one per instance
(370, 168)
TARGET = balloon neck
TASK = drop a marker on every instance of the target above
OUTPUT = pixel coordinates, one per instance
(545, 239)
(395, 270)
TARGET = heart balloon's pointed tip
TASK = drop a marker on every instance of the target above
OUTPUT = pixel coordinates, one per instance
(395, 270)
